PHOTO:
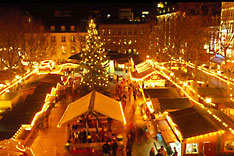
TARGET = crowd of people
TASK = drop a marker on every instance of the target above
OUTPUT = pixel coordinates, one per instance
(162, 152)
(86, 130)
(125, 90)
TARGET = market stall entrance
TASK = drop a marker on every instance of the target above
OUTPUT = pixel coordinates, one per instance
(89, 113)
(94, 101)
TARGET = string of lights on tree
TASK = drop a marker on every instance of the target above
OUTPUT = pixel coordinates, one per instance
(94, 61)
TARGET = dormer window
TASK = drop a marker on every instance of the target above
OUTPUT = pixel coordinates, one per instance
(63, 28)
(52, 28)
(72, 28)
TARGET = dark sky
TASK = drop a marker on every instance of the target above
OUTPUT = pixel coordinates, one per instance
(46, 8)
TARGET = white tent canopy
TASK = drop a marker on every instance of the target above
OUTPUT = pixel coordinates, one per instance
(102, 104)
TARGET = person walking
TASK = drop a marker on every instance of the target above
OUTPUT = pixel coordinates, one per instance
(102, 134)
(159, 153)
(114, 147)
(129, 147)
(152, 152)
(106, 149)
(163, 151)
(175, 152)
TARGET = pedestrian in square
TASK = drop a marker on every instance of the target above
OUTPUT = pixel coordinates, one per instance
(106, 149)
(163, 151)
(114, 147)
(152, 153)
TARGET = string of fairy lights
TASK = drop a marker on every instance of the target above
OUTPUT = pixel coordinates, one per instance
(171, 79)
(228, 80)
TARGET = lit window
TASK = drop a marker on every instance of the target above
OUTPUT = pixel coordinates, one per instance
(191, 148)
(63, 39)
(72, 38)
(141, 32)
(72, 28)
(229, 146)
(63, 49)
(103, 32)
(73, 49)
(52, 28)
(63, 28)
(53, 39)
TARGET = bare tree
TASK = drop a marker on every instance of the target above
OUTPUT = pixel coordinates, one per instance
(37, 43)
(11, 38)
(22, 37)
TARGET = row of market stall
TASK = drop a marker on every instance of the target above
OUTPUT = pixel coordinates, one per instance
(183, 125)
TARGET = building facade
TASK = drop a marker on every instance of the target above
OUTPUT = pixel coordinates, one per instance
(67, 41)
(226, 29)
(128, 38)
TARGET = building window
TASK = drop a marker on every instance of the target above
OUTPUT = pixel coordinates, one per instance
(119, 32)
(191, 148)
(129, 32)
(73, 49)
(72, 28)
(135, 32)
(53, 39)
(141, 32)
(72, 38)
(63, 39)
(63, 28)
(42, 28)
(229, 146)
(64, 49)
(103, 32)
(52, 28)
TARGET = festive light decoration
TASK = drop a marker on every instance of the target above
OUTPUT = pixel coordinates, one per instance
(94, 60)
(206, 135)
(162, 69)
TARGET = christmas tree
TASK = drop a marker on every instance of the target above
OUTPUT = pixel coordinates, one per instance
(94, 61)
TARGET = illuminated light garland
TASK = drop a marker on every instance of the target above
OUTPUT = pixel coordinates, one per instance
(199, 104)
(44, 108)
(205, 135)
(15, 83)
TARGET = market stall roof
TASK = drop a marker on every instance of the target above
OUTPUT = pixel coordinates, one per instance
(172, 104)
(223, 117)
(143, 74)
(75, 57)
(114, 55)
(8, 96)
(167, 92)
(190, 122)
(166, 131)
(143, 66)
(229, 65)
(212, 92)
(99, 103)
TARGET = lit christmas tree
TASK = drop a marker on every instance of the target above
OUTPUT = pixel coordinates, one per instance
(94, 61)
